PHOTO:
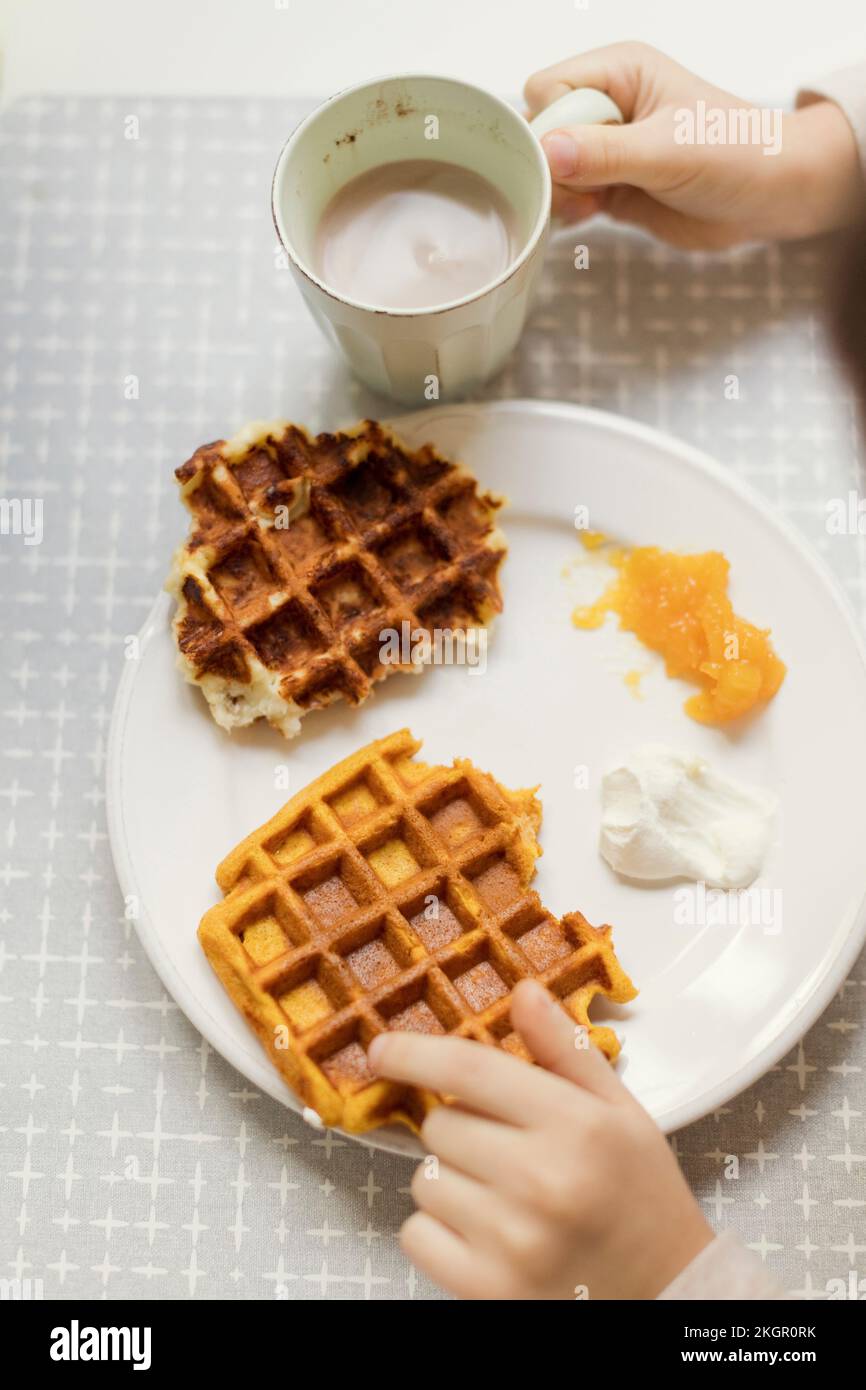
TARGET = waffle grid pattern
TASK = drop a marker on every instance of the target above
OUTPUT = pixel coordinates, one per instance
(304, 551)
(390, 895)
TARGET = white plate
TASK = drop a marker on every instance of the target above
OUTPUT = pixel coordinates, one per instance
(717, 1005)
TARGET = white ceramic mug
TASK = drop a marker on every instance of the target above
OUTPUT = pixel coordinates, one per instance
(419, 355)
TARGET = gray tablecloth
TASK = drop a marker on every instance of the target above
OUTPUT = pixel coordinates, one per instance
(143, 311)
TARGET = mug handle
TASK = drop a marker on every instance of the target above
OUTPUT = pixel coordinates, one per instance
(582, 106)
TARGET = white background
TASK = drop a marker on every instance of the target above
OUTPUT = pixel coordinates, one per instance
(760, 48)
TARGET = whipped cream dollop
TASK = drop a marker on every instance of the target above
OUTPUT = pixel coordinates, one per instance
(668, 815)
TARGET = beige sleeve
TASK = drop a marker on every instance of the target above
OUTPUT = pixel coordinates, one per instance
(847, 88)
(723, 1269)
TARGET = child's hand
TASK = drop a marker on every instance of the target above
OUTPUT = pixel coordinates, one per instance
(697, 196)
(548, 1180)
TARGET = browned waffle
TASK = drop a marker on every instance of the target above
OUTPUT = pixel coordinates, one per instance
(389, 894)
(304, 551)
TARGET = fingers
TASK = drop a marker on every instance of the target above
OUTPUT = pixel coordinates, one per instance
(483, 1078)
(447, 1259)
(626, 71)
(575, 207)
(471, 1209)
(559, 1046)
(451, 1197)
(640, 209)
(473, 1145)
(667, 224)
(596, 156)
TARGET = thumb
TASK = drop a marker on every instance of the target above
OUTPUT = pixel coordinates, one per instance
(594, 156)
(559, 1045)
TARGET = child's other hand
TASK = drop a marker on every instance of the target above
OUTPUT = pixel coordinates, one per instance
(695, 196)
(550, 1179)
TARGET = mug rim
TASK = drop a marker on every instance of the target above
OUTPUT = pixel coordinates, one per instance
(514, 265)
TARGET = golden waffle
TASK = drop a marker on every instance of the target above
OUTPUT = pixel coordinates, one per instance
(304, 551)
(389, 894)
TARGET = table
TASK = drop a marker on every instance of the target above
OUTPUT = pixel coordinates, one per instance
(144, 310)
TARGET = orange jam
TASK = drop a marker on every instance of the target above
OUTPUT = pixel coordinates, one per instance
(678, 605)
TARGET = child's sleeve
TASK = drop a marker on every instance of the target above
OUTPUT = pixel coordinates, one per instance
(724, 1269)
(847, 89)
